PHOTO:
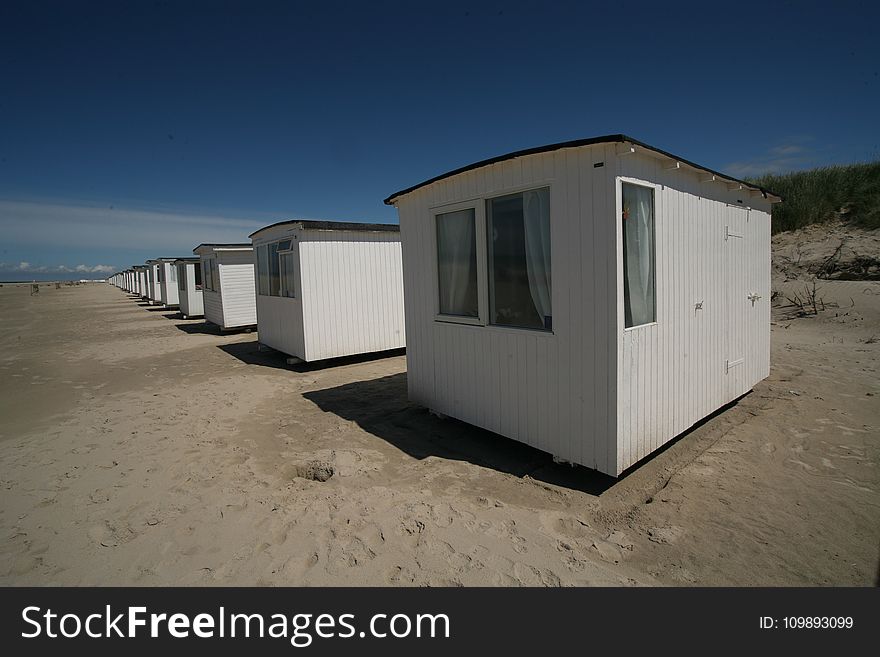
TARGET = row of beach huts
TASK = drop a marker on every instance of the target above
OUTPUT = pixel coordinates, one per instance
(593, 298)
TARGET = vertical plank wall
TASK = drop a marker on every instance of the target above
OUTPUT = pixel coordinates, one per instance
(352, 292)
(236, 273)
(555, 391)
(671, 374)
(211, 299)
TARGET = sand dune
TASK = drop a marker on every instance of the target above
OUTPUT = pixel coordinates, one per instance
(138, 448)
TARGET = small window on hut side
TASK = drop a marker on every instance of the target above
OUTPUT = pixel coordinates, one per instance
(198, 273)
(639, 304)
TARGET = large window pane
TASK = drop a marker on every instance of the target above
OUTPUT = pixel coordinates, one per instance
(198, 273)
(263, 270)
(457, 263)
(638, 254)
(274, 271)
(520, 276)
(181, 278)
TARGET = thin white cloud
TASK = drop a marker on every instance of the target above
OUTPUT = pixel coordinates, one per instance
(62, 225)
(782, 158)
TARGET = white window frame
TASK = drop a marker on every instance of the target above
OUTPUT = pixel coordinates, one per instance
(291, 251)
(618, 222)
(479, 208)
(510, 192)
(479, 205)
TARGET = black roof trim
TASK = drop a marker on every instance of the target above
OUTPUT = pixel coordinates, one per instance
(236, 245)
(309, 224)
(605, 139)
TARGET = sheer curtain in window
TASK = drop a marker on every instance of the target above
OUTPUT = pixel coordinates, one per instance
(536, 226)
(638, 254)
(457, 263)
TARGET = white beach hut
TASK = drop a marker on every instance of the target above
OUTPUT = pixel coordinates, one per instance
(327, 288)
(189, 287)
(228, 284)
(593, 298)
(140, 272)
(167, 282)
(153, 294)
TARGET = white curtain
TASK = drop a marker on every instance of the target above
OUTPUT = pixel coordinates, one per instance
(536, 223)
(638, 229)
(455, 251)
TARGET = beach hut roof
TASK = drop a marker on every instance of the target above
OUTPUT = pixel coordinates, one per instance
(635, 144)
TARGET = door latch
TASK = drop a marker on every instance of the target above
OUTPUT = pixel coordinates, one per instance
(753, 297)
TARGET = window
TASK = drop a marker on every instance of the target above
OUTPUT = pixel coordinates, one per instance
(208, 267)
(288, 271)
(172, 273)
(639, 305)
(263, 270)
(520, 277)
(198, 272)
(158, 273)
(181, 278)
(457, 263)
(274, 271)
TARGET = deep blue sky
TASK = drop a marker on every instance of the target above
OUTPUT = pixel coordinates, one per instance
(203, 121)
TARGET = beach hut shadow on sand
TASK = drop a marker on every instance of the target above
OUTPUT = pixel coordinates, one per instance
(380, 407)
(254, 353)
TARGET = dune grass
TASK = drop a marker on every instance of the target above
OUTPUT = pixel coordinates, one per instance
(851, 192)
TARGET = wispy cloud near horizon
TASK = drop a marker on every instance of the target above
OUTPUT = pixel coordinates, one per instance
(791, 155)
(28, 268)
(95, 227)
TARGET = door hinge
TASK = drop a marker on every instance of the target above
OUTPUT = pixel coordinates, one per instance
(729, 233)
(730, 364)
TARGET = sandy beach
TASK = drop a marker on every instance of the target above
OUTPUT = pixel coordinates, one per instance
(138, 448)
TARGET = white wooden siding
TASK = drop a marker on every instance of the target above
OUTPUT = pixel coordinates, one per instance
(351, 292)
(592, 392)
(671, 374)
(280, 325)
(555, 391)
(236, 276)
(213, 307)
